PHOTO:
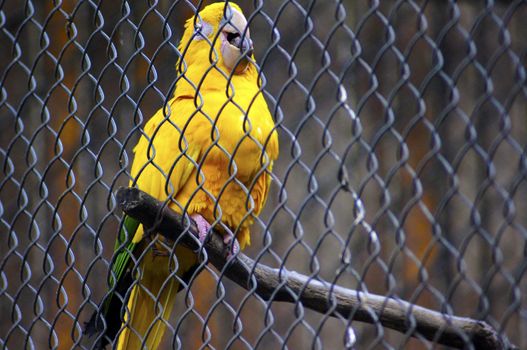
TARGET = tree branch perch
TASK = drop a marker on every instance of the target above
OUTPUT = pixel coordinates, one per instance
(288, 286)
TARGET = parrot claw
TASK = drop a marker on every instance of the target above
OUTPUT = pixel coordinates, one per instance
(203, 227)
(234, 248)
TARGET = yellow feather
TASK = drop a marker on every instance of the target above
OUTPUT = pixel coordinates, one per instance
(211, 155)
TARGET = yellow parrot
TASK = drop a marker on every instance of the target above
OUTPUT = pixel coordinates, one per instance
(211, 151)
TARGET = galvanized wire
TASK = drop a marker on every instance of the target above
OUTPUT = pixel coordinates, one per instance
(402, 168)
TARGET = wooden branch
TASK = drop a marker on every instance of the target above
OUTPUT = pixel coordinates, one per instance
(288, 286)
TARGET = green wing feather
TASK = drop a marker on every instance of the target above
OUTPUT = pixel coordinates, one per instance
(124, 253)
(120, 281)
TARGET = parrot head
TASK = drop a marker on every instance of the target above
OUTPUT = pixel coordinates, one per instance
(220, 32)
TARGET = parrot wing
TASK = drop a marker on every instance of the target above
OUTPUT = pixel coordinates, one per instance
(163, 163)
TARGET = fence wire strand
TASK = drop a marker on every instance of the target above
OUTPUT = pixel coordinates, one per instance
(402, 167)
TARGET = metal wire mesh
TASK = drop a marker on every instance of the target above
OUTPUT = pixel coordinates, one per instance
(402, 167)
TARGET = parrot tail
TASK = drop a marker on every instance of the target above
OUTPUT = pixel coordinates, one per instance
(152, 300)
(149, 308)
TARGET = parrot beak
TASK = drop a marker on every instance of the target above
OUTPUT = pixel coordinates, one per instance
(246, 47)
(236, 44)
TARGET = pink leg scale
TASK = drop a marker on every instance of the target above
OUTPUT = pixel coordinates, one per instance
(203, 226)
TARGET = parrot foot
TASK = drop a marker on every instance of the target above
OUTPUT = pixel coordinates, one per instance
(234, 247)
(203, 227)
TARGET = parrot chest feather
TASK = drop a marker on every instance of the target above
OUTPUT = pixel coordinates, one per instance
(230, 182)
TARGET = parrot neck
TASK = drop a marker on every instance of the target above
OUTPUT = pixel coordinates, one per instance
(206, 80)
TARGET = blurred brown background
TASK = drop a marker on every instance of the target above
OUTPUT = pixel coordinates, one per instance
(403, 129)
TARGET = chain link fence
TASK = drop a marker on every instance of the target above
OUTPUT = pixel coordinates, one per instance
(402, 167)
